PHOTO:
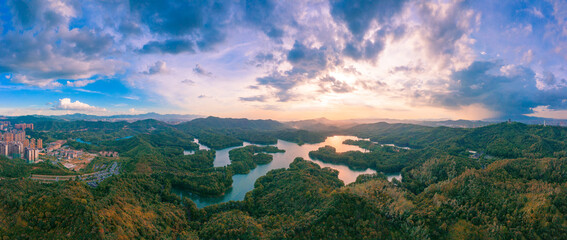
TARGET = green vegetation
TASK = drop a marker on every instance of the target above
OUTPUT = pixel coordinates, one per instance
(217, 140)
(242, 160)
(517, 189)
(220, 133)
(383, 159)
(18, 168)
(301, 136)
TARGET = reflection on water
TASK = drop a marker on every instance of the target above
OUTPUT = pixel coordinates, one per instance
(397, 176)
(243, 183)
(201, 147)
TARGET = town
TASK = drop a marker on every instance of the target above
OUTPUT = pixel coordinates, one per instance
(14, 144)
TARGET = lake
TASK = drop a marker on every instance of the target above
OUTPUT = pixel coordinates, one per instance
(243, 183)
(127, 137)
(81, 141)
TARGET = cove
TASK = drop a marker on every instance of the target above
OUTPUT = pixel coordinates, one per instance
(243, 183)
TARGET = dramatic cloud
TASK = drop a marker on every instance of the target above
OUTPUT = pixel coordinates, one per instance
(189, 22)
(306, 60)
(359, 17)
(455, 56)
(43, 48)
(509, 90)
(267, 16)
(67, 104)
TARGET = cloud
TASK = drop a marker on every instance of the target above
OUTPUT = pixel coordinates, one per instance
(160, 67)
(546, 112)
(79, 83)
(188, 82)
(89, 91)
(307, 63)
(411, 68)
(446, 33)
(42, 83)
(67, 104)
(268, 16)
(171, 46)
(130, 28)
(259, 98)
(360, 17)
(536, 12)
(169, 17)
(201, 71)
(329, 83)
(548, 80)
(306, 60)
(183, 23)
(28, 13)
(447, 54)
(510, 91)
(282, 84)
(40, 47)
(132, 97)
(134, 111)
(263, 59)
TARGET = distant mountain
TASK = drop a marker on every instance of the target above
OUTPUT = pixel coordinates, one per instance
(455, 123)
(323, 124)
(319, 125)
(231, 123)
(27, 119)
(171, 118)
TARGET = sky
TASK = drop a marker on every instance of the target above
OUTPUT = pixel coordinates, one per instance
(285, 60)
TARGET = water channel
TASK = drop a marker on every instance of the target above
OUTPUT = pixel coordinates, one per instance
(243, 183)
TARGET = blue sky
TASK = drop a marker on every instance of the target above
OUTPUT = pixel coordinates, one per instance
(407, 59)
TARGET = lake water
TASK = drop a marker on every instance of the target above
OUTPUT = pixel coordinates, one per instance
(118, 139)
(243, 183)
(81, 141)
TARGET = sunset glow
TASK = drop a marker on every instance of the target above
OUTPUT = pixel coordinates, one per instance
(285, 60)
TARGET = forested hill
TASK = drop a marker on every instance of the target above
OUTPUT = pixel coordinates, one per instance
(231, 123)
(507, 140)
(519, 193)
(218, 133)
(214, 132)
(502, 139)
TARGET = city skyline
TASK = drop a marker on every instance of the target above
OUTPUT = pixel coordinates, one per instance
(410, 59)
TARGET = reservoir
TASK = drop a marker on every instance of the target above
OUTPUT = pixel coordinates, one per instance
(243, 183)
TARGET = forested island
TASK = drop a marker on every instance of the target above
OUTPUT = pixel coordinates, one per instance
(513, 188)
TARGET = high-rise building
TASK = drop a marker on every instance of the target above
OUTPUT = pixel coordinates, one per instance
(31, 154)
(8, 137)
(32, 143)
(20, 136)
(4, 149)
(15, 149)
(23, 126)
(39, 143)
(26, 143)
